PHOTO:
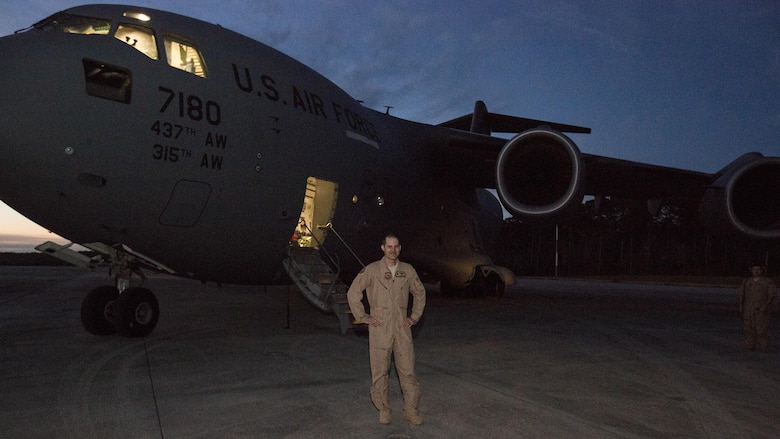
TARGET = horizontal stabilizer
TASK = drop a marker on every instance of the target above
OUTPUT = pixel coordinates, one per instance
(483, 122)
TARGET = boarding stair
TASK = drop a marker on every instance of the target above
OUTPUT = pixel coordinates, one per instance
(318, 281)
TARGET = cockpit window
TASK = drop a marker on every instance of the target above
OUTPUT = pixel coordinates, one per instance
(139, 37)
(183, 55)
(107, 81)
(76, 24)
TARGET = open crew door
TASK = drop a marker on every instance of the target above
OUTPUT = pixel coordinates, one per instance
(317, 279)
(319, 206)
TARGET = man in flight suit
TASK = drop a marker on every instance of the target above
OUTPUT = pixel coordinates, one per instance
(387, 283)
(755, 304)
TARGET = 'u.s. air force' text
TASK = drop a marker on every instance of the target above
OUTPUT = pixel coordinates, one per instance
(304, 100)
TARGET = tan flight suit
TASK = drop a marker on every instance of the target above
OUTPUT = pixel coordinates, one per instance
(388, 299)
(755, 303)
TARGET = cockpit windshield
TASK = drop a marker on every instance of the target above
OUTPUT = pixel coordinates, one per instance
(139, 37)
(181, 53)
(75, 24)
(184, 55)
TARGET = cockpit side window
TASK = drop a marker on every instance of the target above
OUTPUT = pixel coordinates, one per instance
(76, 24)
(108, 81)
(139, 37)
(183, 55)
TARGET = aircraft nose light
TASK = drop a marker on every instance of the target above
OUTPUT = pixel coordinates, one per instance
(69, 150)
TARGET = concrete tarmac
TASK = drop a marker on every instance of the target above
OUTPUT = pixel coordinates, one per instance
(551, 359)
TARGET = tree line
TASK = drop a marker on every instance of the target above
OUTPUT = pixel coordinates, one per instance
(620, 237)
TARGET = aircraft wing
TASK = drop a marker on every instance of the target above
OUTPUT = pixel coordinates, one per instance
(474, 156)
(541, 172)
(626, 179)
(483, 122)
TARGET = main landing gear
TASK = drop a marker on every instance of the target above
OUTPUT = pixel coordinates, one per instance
(133, 312)
(489, 281)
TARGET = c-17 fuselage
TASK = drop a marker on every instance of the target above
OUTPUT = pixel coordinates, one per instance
(167, 142)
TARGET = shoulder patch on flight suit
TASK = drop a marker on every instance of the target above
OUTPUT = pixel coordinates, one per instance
(388, 275)
(400, 274)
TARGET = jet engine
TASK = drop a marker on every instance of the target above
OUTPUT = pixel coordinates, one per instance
(745, 196)
(539, 173)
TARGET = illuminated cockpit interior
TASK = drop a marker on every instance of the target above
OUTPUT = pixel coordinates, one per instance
(183, 55)
(139, 37)
(180, 52)
(74, 24)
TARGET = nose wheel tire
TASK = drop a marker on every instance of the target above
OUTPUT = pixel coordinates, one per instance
(96, 310)
(135, 312)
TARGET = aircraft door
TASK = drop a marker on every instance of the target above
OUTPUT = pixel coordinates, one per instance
(319, 206)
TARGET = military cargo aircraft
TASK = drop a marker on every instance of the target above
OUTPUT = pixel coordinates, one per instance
(167, 143)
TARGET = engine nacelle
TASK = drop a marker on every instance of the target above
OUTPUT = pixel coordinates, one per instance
(745, 197)
(539, 173)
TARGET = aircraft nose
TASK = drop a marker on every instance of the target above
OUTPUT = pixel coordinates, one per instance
(11, 97)
(8, 82)
(32, 89)
(16, 88)
(29, 92)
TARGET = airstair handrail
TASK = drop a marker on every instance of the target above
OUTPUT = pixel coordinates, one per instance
(330, 226)
(334, 265)
(333, 262)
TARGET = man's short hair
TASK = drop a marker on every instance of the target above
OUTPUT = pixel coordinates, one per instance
(389, 235)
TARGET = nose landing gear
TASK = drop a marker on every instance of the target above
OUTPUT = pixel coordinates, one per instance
(126, 308)
(132, 313)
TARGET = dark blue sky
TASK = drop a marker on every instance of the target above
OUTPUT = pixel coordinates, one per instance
(688, 84)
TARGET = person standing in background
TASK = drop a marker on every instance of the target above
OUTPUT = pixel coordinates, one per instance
(755, 305)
